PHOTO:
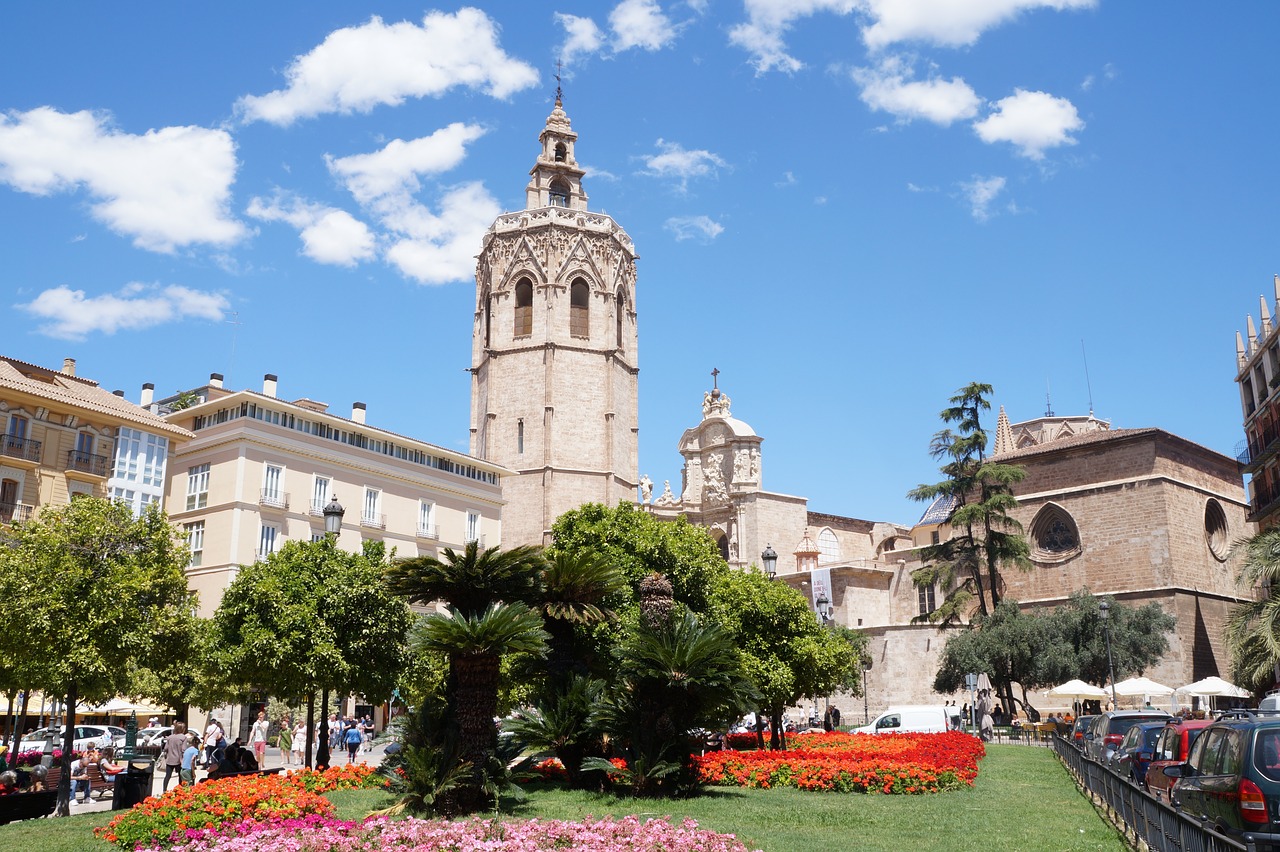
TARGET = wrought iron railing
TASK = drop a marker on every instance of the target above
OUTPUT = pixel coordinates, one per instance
(373, 520)
(12, 513)
(19, 448)
(273, 498)
(428, 531)
(86, 462)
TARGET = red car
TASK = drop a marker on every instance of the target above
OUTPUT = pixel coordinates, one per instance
(1172, 747)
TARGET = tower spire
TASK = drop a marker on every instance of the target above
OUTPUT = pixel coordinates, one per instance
(559, 91)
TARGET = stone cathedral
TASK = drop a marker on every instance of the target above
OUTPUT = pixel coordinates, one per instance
(554, 348)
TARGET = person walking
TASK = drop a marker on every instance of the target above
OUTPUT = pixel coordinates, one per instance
(286, 740)
(212, 736)
(354, 738)
(299, 741)
(187, 774)
(258, 738)
(174, 746)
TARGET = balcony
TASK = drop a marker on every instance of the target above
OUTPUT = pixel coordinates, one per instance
(1263, 499)
(93, 465)
(430, 531)
(23, 449)
(273, 499)
(316, 509)
(479, 540)
(12, 513)
(373, 520)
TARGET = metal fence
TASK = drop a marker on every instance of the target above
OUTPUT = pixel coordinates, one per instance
(1144, 819)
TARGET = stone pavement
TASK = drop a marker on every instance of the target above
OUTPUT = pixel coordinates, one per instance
(273, 761)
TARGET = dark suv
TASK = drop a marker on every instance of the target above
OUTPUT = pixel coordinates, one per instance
(1109, 729)
(1232, 778)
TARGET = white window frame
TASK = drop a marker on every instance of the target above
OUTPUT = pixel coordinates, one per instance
(268, 540)
(195, 541)
(198, 486)
(273, 490)
(371, 509)
(474, 530)
(427, 520)
(320, 495)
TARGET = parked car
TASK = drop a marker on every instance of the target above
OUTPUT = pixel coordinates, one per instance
(1132, 757)
(1109, 729)
(914, 718)
(1231, 778)
(117, 735)
(1172, 747)
(154, 736)
(98, 735)
(1081, 731)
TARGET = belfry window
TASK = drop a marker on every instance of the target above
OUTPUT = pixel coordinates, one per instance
(524, 308)
(579, 308)
(561, 152)
(559, 193)
(488, 320)
(621, 307)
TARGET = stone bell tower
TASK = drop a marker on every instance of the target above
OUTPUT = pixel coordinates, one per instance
(554, 348)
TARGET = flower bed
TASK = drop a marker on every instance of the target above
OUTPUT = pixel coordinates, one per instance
(852, 763)
(322, 834)
(227, 801)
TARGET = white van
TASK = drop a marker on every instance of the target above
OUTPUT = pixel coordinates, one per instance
(914, 719)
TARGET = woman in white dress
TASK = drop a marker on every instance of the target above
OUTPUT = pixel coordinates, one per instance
(299, 741)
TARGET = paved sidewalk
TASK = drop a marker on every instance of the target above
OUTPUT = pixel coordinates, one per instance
(273, 761)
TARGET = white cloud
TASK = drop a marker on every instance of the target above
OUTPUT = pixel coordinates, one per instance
(582, 37)
(167, 188)
(439, 248)
(329, 235)
(358, 68)
(981, 193)
(703, 228)
(949, 23)
(72, 316)
(788, 179)
(1033, 121)
(888, 89)
(673, 160)
(397, 166)
(640, 23)
(769, 20)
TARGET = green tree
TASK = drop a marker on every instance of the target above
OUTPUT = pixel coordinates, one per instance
(984, 537)
(310, 617)
(95, 589)
(1008, 644)
(469, 581)
(1253, 629)
(786, 653)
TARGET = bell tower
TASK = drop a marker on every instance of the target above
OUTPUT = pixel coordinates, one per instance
(554, 348)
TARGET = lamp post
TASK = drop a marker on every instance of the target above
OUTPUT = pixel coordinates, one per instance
(866, 708)
(333, 513)
(1105, 609)
(824, 616)
(770, 561)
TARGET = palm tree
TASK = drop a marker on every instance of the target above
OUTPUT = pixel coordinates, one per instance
(475, 645)
(1253, 629)
(471, 580)
(575, 587)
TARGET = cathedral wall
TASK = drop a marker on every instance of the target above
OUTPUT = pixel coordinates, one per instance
(770, 519)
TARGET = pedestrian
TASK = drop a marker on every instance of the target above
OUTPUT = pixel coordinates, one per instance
(353, 738)
(286, 740)
(187, 774)
(258, 738)
(212, 735)
(835, 718)
(174, 746)
(299, 741)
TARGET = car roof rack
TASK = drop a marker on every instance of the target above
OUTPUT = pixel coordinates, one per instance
(1248, 714)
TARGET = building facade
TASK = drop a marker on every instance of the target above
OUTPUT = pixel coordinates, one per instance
(554, 348)
(1258, 379)
(259, 470)
(65, 435)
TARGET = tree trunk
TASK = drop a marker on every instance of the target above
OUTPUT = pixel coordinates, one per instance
(778, 740)
(311, 726)
(68, 742)
(760, 729)
(475, 678)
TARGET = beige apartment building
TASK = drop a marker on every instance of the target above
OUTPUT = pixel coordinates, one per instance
(63, 435)
(260, 470)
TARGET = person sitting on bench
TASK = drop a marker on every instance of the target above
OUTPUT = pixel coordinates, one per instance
(108, 767)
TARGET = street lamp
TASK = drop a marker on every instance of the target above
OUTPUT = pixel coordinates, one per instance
(822, 604)
(1105, 609)
(333, 513)
(770, 561)
(866, 708)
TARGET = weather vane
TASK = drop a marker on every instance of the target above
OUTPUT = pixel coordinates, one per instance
(559, 69)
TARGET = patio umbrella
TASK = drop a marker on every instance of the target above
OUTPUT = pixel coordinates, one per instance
(1215, 686)
(1078, 689)
(1142, 686)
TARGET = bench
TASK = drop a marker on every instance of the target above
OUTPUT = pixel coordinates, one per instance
(19, 806)
(97, 784)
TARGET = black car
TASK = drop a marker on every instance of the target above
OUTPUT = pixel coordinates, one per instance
(1135, 751)
(1232, 778)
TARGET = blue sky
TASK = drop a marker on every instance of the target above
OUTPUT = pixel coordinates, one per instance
(850, 207)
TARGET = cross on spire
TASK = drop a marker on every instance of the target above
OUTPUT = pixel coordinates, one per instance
(715, 378)
(559, 93)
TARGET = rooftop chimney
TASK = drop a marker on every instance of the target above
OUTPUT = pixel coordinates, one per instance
(68, 366)
(357, 411)
(269, 384)
(215, 380)
(148, 393)
(118, 393)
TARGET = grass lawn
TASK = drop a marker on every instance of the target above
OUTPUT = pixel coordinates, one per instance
(1022, 800)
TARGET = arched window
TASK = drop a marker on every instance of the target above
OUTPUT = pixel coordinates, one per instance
(488, 320)
(828, 546)
(561, 152)
(559, 193)
(1054, 535)
(579, 308)
(524, 308)
(620, 309)
(722, 544)
(1215, 530)
(9, 501)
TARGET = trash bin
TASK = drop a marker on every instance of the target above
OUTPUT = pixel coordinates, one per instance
(133, 784)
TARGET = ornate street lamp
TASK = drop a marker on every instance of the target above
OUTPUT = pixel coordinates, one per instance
(333, 513)
(770, 561)
(1105, 609)
(823, 605)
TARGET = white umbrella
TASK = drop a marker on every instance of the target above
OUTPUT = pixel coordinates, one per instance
(1078, 689)
(1142, 686)
(123, 707)
(1215, 686)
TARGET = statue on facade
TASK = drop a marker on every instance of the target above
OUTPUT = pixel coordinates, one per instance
(742, 466)
(646, 489)
(666, 498)
(715, 403)
(713, 488)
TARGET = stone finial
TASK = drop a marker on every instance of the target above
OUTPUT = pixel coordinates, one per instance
(1266, 316)
(1004, 434)
(1253, 335)
(1240, 356)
